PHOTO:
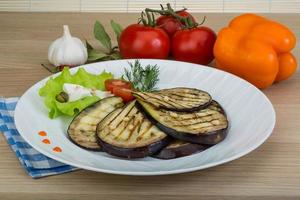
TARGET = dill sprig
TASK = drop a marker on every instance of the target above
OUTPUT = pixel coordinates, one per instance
(142, 79)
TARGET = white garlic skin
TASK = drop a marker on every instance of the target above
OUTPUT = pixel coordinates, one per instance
(67, 50)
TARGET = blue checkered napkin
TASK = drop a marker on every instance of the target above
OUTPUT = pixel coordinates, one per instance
(36, 164)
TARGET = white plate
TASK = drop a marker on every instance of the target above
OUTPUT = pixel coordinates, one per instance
(251, 116)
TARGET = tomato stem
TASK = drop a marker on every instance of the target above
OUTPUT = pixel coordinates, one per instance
(150, 18)
(162, 7)
(204, 19)
(187, 21)
(143, 19)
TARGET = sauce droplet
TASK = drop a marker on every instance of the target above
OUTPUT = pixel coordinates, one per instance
(42, 133)
(57, 149)
(46, 141)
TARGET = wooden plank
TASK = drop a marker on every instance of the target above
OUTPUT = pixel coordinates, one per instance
(270, 172)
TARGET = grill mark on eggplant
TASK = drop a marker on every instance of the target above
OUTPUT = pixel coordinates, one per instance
(161, 103)
(161, 99)
(127, 123)
(187, 102)
(148, 133)
(191, 124)
(116, 113)
(188, 99)
(135, 134)
(176, 99)
(207, 134)
(193, 121)
(140, 135)
(185, 99)
(200, 122)
(140, 127)
(192, 97)
(82, 129)
(126, 134)
(182, 92)
(135, 126)
(180, 102)
(120, 115)
(189, 116)
(155, 100)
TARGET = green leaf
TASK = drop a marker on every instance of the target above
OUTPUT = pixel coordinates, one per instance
(55, 85)
(94, 55)
(117, 28)
(88, 46)
(122, 78)
(102, 36)
(51, 68)
(116, 55)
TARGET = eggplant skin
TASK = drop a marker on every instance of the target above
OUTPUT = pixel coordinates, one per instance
(213, 138)
(209, 139)
(180, 151)
(133, 153)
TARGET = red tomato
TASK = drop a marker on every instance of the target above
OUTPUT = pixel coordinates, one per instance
(124, 93)
(139, 41)
(170, 24)
(119, 88)
(194, 45)
(110, 84)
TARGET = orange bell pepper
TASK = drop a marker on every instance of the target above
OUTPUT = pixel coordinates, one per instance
(256, 49)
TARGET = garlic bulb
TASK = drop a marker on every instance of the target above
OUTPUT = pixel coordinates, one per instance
(67, 50)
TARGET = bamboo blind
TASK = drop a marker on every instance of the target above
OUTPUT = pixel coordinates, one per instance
(273, 6)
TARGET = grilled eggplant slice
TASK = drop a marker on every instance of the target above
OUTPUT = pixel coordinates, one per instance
(206, 126)
(176, 99)
(127, 133)
(179, 148)
(82, 130)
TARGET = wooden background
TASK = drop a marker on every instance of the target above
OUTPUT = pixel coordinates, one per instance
(273, 6)
(270, 172)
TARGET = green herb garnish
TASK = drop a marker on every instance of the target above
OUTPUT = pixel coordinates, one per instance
(142, 79)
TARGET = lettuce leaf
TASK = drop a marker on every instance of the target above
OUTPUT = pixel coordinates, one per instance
(55, 85)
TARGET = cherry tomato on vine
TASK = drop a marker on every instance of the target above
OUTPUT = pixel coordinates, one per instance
(140, 41)
(171, 24)
(194, 45)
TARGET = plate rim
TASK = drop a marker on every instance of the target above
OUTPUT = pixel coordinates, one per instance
(152, 173)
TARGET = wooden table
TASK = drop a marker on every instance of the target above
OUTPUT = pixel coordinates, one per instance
(270, 172)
